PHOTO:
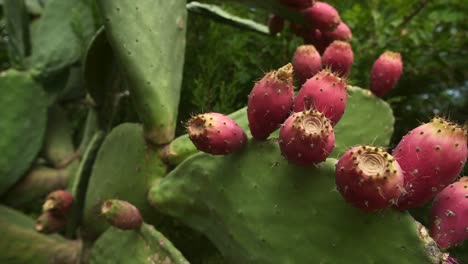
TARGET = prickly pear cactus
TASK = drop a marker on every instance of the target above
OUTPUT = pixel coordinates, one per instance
(125, 168)
(21, 244)
(252, 204)
(151, 51)
(367, 120)
(59, 35)
(23, 105)
(145, 245)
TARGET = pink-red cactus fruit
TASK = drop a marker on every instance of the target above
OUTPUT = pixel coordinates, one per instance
(297, 4)
(342, 32)
(386, 72)
(369, 178)
(322, 16)
(325, 92)
(315, 37)
(449, 215)
(215, 133)
(431, 156)
(306, 62)
(122, 214)
(275, 24)
(338, 57)
(270, 102)
(58, 202)
(306, 138)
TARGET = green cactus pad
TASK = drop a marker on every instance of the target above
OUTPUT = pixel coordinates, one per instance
(78, 183)
(58, 143)
(63, 29)
(21, 244)
(23, 105)
(257, 208)
(143, 246)
(367, 120)
(151, 52)
(124, 169)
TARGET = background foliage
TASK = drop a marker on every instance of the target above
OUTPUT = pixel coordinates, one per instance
(223, 62)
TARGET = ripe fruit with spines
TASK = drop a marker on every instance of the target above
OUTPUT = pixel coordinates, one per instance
(322, 16)
(270, 102)
(431, 156)
(306, 62)
(369, 178)
(341, 32)
(275, 24)
(122, 214)
(386, 72)
(449, 214)
(325, 92)
(215, 133)
(339, 57)
(306, 138)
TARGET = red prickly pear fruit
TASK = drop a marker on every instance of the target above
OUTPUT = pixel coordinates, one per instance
(322, 16)
(58, 202)
(369, 178)
(315, 37)
(325, 92)
(275, 24)
(431, 156)
(338, 57)
(386, 72)
(270, 102)
(215, 133)
(449, 215)
(306, 138)
(342, 32)
(306, 62)
(122, 214)
(297, 4)
(48, 223)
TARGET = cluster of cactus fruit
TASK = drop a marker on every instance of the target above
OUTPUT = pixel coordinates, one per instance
(264, 187)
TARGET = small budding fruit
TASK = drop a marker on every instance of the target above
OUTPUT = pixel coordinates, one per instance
(322, 16)
(122, 214)
(449, 215)
(325, 92)
(431, 156)
(306, 62)
(48, 223)
(342, 32)
(270, 102)
(58, 202)
(339, 57)
(215, 133)
(386, 72)
(275, 24)
(306, 138)
(369, 178)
